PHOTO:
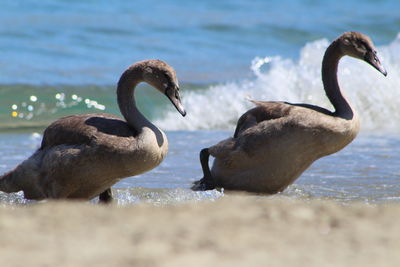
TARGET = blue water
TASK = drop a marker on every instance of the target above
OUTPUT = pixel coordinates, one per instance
(62, 57)
(366, 170)
(81, 42)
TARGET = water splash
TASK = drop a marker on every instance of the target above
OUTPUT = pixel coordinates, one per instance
(375, 97)
(136, 195)
(161, 197)
(13, 199)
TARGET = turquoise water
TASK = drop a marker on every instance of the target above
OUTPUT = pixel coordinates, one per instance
(64, 57)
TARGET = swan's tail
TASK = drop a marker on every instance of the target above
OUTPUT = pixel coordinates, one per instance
(7, 182)
(24, 177)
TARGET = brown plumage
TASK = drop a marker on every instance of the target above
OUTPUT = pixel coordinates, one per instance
(276, 141)
(82, 156)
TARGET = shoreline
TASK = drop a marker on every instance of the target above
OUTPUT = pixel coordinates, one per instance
(232, 231)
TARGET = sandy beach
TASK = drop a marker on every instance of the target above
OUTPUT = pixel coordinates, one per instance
(232, 231)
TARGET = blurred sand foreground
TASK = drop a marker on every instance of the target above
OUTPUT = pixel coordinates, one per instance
(232, 231)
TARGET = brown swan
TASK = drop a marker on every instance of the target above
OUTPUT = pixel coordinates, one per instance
(82, 156)
(276, 141)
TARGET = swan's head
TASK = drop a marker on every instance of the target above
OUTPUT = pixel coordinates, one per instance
(163, 77)
(360, 46)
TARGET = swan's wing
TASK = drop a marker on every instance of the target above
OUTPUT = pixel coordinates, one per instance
(245, 121)
(271, 110)
(224, 150)
(262, 112)
(85, 129)
(248, 134)
(251, 145)
(267, 133)
(67, 130)
(302, 128)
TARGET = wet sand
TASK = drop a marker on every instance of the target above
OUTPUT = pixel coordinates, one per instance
(232, 231)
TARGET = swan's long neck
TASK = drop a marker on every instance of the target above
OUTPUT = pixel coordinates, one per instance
(126, 99)
(329, 78)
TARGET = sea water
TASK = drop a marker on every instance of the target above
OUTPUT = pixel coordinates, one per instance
(367, 170)
(65, 57)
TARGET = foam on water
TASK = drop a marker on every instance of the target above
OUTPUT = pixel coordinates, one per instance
(126, 196)
(374, 96)
(162, 197)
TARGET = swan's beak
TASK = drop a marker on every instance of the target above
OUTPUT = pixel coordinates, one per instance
(374, 61)
(174, 97)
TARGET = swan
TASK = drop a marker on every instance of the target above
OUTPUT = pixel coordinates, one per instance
(276, 141)
(82, 156)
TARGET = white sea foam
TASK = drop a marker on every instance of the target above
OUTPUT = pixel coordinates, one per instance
(376, 98)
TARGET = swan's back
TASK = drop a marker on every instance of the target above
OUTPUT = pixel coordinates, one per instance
(281, 123)
(88, 129)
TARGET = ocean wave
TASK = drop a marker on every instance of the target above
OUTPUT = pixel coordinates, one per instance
(218, 106)
(375, 97)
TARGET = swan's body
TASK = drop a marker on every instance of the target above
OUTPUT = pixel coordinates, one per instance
(276, 141)
(82, 156)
